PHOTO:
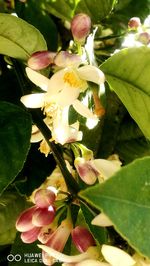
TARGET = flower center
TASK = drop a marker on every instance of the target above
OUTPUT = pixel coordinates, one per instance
(74, 81)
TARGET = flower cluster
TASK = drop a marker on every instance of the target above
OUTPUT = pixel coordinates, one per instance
(139, 34)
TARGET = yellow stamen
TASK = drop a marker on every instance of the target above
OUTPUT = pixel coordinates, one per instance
(74, 81)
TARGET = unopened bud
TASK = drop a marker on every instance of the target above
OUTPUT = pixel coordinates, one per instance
(43, 216)
(144, 38)
(80, 27)
(134, 23)
(65, 59)
(44, 197)
(24, 221)
(31, 235)
(41, 59)
(82, 238)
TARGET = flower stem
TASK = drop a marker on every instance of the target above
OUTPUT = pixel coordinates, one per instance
(70, 181)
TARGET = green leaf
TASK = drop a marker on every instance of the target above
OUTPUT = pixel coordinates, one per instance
(15, 124)
(125, 199)
(34, 14)
(63, 9)
(19, 39)
(127, 73)
(96, 9)
(11, 205)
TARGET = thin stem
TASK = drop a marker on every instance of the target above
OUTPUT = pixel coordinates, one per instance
(70, 181)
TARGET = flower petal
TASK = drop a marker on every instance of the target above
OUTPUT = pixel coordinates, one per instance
(106, 168)
(116, 256)
(67, 96)
(101, 220)
(91, 73)
(37, 78)
(63, 257)
(35, 100)
(83, 110)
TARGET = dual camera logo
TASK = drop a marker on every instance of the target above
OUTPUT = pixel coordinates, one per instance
(16, 257)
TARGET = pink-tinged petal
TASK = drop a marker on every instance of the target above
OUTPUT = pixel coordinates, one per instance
(86, 170)
(43, 198)
(66, 59)
(31, 235)
(117, 257)
(37, 78)
(43, 216)
(106, 168)
(60, 236)
(82, 238)
(83, 110)
(24, 221)
(102, 220)
(91, 73)
(35, 100)
(41, 59)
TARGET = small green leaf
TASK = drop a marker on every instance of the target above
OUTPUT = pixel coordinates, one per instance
(11, 205)
(15, 124)
(19, 39)
(96, 9)
(127, 73)
(125, 199)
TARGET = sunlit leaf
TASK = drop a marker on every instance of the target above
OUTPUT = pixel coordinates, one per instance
(18, 38)
(127, 73)
(125, 199)
(96, 9)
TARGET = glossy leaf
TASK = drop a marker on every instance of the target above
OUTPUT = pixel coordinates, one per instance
(125, 199)
(15, 124)
(127, 73)
(11, 204)
(34, 14)
(96, 9)
(19, 39)
(63, 9)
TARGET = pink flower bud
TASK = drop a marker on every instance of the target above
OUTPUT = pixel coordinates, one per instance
(82, 238)
(134, 23)
(24, 221)
(144, 38)
(43, 216)
(44, 197)
(86, 171)
(31, 235)
(80, 27)
(65, 59)
(41, 59)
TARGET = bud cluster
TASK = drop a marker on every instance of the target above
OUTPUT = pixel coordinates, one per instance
(32, 220)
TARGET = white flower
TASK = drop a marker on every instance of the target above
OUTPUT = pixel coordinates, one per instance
(62, 89)
(117, 257)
